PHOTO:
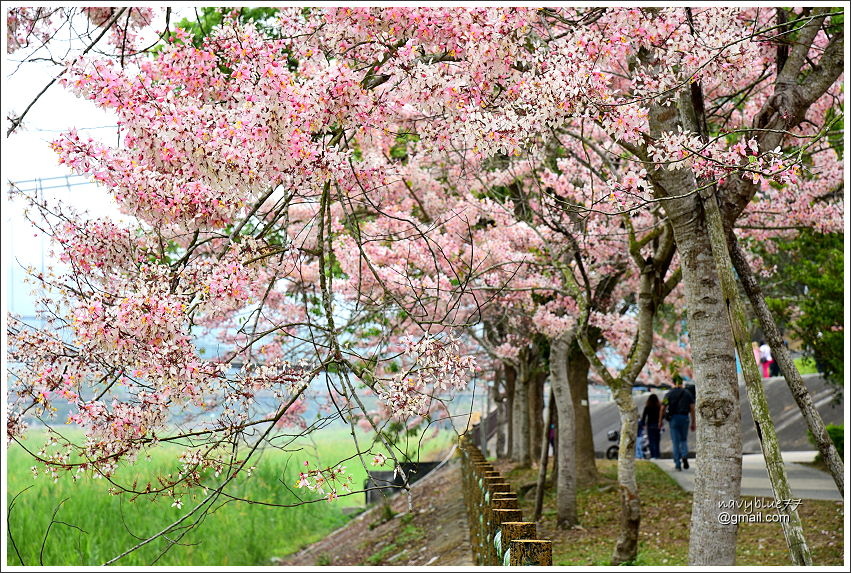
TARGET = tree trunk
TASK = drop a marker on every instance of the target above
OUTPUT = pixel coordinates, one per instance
(652, 289)
(484, 423)
(566, 481)
(718, 470)
(536, 409)
(577, 376)
(787, 367)
(542, 466)
(626, 548)
(520, 418)
(502, 425)
(792, 529)
(510, 383)
(554, 476)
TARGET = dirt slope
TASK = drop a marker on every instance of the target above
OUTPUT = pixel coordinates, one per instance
(431, 531)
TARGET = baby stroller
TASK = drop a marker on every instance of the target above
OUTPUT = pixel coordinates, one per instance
(642, 443)
(612, 452)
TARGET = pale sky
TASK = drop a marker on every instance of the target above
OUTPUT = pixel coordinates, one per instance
(26, 156)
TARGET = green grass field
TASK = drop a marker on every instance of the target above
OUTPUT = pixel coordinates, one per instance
(806, 365)
(90, 526)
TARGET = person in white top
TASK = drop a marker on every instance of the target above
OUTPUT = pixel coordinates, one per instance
(765, 358)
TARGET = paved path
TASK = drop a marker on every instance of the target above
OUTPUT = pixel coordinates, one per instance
(806, 482)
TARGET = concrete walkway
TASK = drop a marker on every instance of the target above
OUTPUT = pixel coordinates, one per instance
(805, 482)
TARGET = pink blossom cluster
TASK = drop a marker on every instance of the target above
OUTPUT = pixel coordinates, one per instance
(293, 416)
(437, 366)
(717, 160)
(99, 244)
(122, 34)
(333, 479)
(27, 26)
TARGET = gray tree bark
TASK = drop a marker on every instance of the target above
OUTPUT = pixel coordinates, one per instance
(718, 469)
(694, 121)
(535, 404)
(626, 548)
(502, 423)
(542, 462)
(577, 376)
(510, 381)
(566, 515)
(792, 529)
(520, 418)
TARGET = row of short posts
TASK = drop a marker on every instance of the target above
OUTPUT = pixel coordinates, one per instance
(498, 534)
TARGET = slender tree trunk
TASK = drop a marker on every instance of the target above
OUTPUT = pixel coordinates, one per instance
(554, 475)
(626, 548)
(536, 409)
(520, 418)
(577, 376)
(502, 424)
(718, 470)
(787, 367)
(542, 466)
(566, 481)
(484, 423)
(792, 529)
(652, 289)
(510, 383)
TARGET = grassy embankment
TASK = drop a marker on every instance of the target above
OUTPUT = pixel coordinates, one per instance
(92, 526)
(665, 519)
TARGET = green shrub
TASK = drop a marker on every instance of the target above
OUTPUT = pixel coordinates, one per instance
(837, 436)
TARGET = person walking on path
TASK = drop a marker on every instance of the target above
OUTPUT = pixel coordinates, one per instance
(765, 358)
(652, 422)
(680, 403)
(757, 353)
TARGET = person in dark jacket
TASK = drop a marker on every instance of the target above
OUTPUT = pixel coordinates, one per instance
(681, 404)
(651, 421)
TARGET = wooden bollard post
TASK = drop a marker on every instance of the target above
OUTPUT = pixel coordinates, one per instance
(504, 503)
(494, 485)
(478, 473)
(486, 482)
(498, 517)
(531, 552)
(474, 508)
(477, 516)
(511, 530)
(486, 487)
(491, 489)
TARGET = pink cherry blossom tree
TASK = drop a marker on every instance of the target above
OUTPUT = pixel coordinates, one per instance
(268, 204)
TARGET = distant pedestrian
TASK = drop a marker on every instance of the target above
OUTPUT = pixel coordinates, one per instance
(757, 356)
(680, 403)
(765, 358)
(551, 436)
(773, 367)
(652, 421)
